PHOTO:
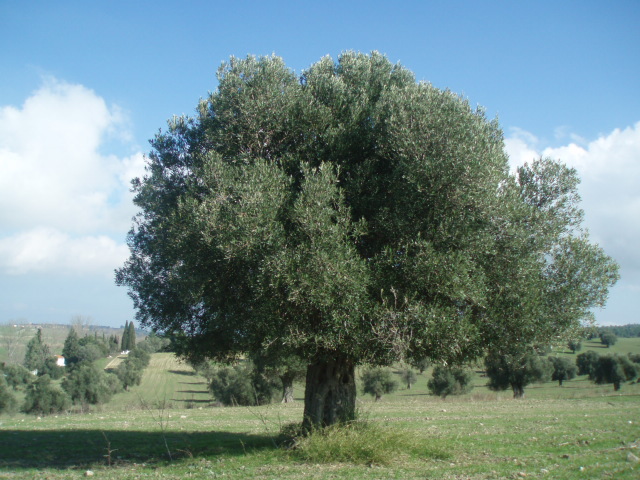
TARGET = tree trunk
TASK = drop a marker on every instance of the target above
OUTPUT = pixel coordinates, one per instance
(518, 391)
(287, 388)
(330, 393)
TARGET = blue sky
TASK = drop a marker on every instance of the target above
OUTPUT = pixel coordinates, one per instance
(85, 85)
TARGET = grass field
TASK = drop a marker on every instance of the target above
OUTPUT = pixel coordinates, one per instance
(166, 428)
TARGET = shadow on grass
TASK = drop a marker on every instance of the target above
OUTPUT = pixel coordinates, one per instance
(182, 372)
(83, 448)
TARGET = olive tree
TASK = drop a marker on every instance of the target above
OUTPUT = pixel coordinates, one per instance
(351, 215)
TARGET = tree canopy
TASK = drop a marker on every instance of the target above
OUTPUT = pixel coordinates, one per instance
(352, 215)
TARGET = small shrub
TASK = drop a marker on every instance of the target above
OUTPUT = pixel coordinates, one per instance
(450, 381)
(378, 381)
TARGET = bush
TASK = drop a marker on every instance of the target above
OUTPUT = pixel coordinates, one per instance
(7, 399)
(87, 384)
(241, 385)
(450, 381)
(563, 369)
(420, 364)
(574, 345)
(586, 362)
(17, 376)
(378, 381)
(614, 369)
(516, 370)
(408, 376)
(609, 339)
(44, 398)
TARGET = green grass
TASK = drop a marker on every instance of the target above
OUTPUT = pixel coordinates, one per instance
(572, 432)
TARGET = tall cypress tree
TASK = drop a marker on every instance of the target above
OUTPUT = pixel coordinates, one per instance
(124, 345)
(132, 336)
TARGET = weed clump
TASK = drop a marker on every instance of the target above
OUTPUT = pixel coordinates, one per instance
(359, 442)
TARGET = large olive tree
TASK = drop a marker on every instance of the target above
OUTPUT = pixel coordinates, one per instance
(351, 215)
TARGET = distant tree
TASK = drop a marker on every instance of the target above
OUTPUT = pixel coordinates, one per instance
(614, 369)
(563, 369)
(420, 364)
(450, 381)
(17, 376)
(42, 397)
(378, 381)
(586, 362)
(37, 353)
(52, 368)
(89, 384)
(131, 337)
(241, 385)
(129, 374)
(515, 370)
(71, 348)
(283, 369)
(124, 345)
(609, 339)
(8, 400)
(131, 370)
(154, 343)
(575, 345)
(634, 357)
(408, 377)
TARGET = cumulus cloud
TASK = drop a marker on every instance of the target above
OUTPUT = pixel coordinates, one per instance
(609, 168)
(61, 196)
(49, 250)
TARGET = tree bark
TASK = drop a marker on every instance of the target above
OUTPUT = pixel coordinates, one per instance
(330, 393)
(287, 388)
(518, 391)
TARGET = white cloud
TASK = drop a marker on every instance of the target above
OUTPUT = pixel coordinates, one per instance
(609, 168)
(49, 250)
(61, 196)
(52, 171)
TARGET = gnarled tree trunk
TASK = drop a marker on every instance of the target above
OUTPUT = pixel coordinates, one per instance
(330, 392)
(287, 388)
(518, 390)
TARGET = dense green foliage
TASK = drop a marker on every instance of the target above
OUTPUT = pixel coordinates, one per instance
(623, 331)
(516, 371)
(8, 400)
(563, 369)
(408, 377)
(36, 354)
(42, 397)
(349, 216)
(614, 369)
(448, 380)
(16, 376)
(241, 385)
(378, 381)
(586, 362)
(89, 384)
(608, 339)
(131, 369)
